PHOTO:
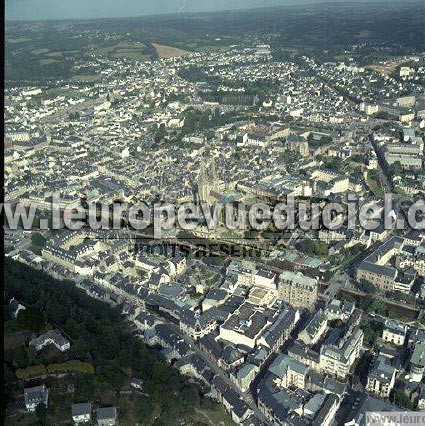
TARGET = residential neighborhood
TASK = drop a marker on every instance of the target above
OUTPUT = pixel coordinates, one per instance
(314, 324)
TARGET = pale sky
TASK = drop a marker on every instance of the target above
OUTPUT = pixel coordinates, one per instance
(88, 9)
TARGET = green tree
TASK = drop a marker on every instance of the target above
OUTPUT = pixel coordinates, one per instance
(402, 400)
(190, 399)
(101, 337)
(396, 169)
(143, 408)
(208, 404)
(20, 358)
(37, 242)
(372, 330)
(383, 115)
(378, 306)
(31, 355)
(31, 319)
(367, 287)
(38, 239)
(113, 373)
(84, 386)
(335, 323)
(313, 247)
(160, 133)
(41, 413)
(6, 315)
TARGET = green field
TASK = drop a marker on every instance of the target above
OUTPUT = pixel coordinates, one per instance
(40, 51)
(83, 77)
(375, 187)
(124, 49)
(48, 61)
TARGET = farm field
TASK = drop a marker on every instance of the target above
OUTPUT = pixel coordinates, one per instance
(169, 52)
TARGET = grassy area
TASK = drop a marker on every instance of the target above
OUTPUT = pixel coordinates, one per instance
(11, 326)
(21, 419)
(60, 91)
(349, 259)
(83, 77)
(168, 51)
(385, 69)
(48, 61)
(18, 40)
(378, 305)
(128, 45)
(14, 336)
(211, 48)
(123, 49)
(55, 54)
(103, 51)
(126, 412)
(40, 51)
(364, 34)
(59, 407)
(375, 187)
(131, 54)
(214, 417)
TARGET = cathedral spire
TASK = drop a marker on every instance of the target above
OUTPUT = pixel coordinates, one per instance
(208, 182)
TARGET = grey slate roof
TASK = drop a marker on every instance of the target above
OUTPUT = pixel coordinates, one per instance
(106, 413)
(81, 409)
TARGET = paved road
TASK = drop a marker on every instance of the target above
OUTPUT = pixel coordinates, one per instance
(385, 183)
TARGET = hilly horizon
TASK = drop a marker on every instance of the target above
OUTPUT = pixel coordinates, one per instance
(97, 9)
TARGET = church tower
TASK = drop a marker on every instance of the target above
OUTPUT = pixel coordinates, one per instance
(208, 183)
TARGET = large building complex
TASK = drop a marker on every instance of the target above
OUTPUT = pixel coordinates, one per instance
(298, 290)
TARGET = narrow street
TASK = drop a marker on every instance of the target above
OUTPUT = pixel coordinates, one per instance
(246, 397)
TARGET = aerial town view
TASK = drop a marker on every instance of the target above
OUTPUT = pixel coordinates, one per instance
(214, 212)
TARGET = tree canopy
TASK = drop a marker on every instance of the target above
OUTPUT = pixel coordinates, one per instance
(100, 337)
